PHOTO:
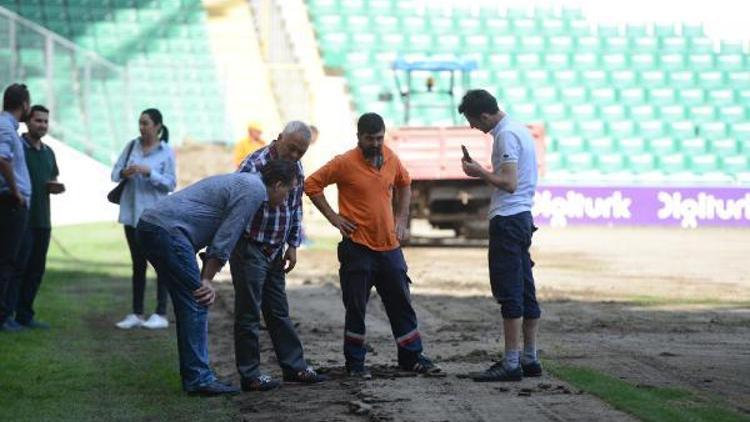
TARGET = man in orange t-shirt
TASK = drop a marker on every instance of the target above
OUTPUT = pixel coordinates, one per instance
(370, 252)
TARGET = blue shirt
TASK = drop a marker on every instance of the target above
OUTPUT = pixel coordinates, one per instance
(11, 149)
(513, 143)
(143, 191)
(212, 212)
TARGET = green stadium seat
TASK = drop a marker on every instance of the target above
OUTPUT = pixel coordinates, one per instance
(504, 42)
(739, 79)
(562, 128)
(588, 44)
(440, 25)
(573, 95)
(661, 96)
(711, 79)
(528, 61)
(594, 78)
(682, 129)
(508, 78)
(726, 147)
(351, 7)
(391, 42)
(544, 94)
(681, 79)
(564, 78)
(661, 146)
(702, 113)
(700, 61)
(624, 79)
(693, 146)
(603, 96)
(469, 26)
(532, 44)
(701, 45)
(645, 44)
(653, 79)
(743, 96)
(317, 6)
(612, 111)
(380, 7)
(632, 96)
(580, 161)
(364, 41)
(622, 128)
(735, 164)
(691, 96)
(525, 112)
(643, 61)
(515, 94)
(413, 24)
(650, 129)
(477, 43)
(677, 45)
(732, 114)
(583, 61)
(385, 24)
(642, 112)
(497, 26)
(601, 145)
(554, 111)
(731, 47)
(640, 162)
(419, 43)
(524, 27)
(553, 160)
(664, 30)
(610, 162)
(692, 30)
(672, 163)
(616, 44)
(713, 130)
(557, 61)
(635, 30)
(560, 44)
(730, 61)
(606, 30)
(631, 145)
(551, 26)
(671, 113)
(583, 112)
(741, 132)
(481, 78)
(672, 61)
(702, 164)
(592, 128)
(721, 97)
(448, 43)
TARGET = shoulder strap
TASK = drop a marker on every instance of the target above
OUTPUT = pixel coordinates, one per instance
(130, 150)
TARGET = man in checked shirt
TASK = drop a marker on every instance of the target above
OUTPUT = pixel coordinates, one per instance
(259, 263)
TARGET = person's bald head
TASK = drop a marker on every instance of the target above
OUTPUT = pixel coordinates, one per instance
(293, 141)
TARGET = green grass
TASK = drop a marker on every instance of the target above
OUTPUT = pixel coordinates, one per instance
(649, 301)
(646, 403)
(84, 368)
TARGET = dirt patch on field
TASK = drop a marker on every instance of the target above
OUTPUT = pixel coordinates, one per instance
(653, 307)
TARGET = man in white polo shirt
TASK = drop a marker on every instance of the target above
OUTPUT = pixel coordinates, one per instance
(513, 175)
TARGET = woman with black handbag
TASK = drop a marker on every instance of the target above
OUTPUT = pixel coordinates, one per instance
(145, 173)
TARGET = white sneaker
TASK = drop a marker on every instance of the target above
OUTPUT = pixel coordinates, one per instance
(155, 322)
(130, 321)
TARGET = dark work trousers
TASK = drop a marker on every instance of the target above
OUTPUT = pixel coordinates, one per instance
(260, 286)
(139, 277)
(361, 269)
(33, 261)
(13, 220)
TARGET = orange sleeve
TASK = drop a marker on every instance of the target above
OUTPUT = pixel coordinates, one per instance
(402, 175)
(324, 176)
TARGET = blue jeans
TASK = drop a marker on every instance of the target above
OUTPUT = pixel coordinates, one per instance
(362, 269)
(259, 286)
(33, 261)
(13, 220)
(173, 257)
(511, 277)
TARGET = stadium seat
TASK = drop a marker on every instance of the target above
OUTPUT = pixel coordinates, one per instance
(553, 111)
(611, 111)
(623, 79)
(643, 61)
(693, 146)
(702, 113)
(732, 114)
(564, 78)
(592, 128)
(583, 112)
(712, 130)
(622, 128)
(632, 96)
(642, 112)
(681, 79)
(735, 163)
(650, 129)
(641, 162)
(739, 79)
(645, 44)
(653, 79)
(631, 145)
(610, 162)
(702, 164)
(724, 147)
(701, 45)
(672, 163)
(560, 44)
(579, 161)
(594, 78)
(601, 145)
(661, 146)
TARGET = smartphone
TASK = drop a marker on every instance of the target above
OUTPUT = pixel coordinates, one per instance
(467, 157)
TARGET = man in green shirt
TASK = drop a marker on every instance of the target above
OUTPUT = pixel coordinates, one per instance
(40, 160)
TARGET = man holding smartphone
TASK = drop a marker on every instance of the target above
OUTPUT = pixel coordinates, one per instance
(42, 166)
(514, 177)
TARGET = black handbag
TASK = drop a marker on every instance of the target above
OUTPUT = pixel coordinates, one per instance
(114, 195)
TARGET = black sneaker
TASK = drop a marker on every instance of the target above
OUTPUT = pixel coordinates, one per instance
(215, 388)
(361, 373)
(532, 369)
(261, 383)
(422, 365)
(305, 376)
(499, 373)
